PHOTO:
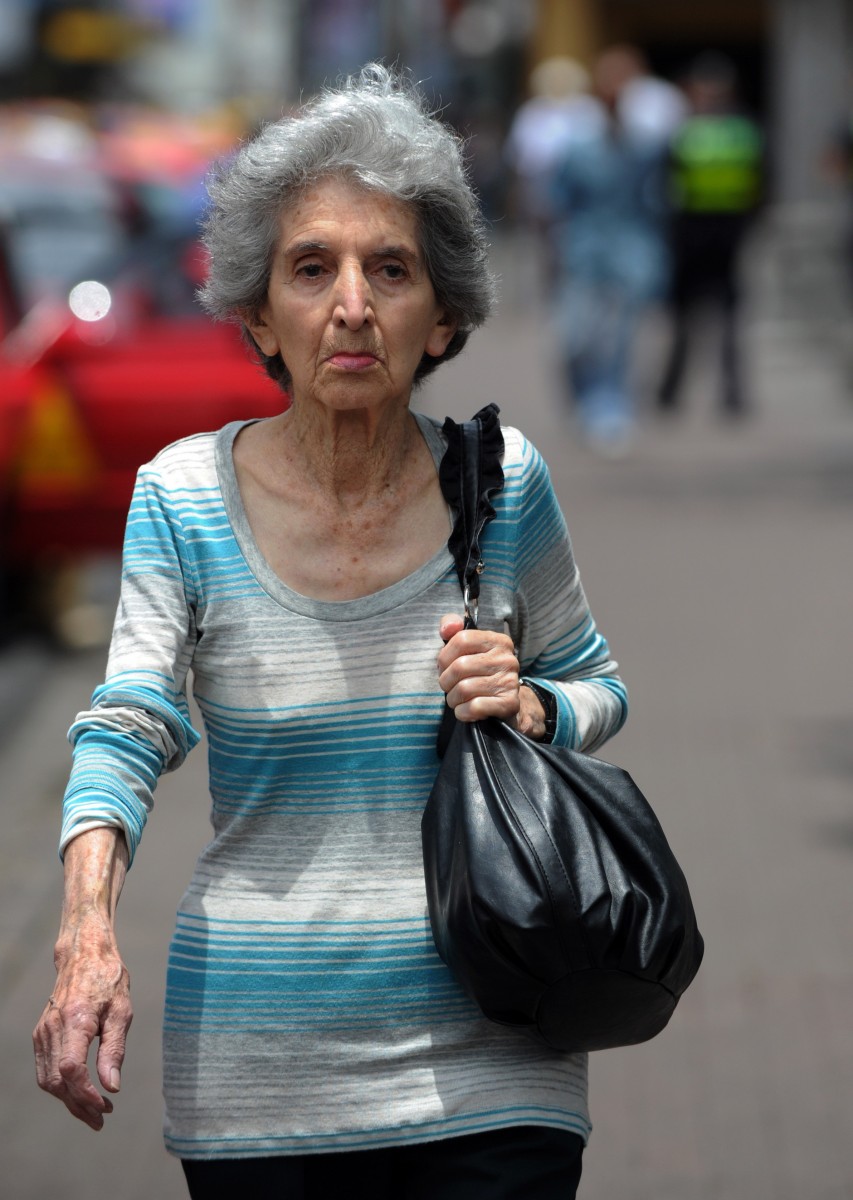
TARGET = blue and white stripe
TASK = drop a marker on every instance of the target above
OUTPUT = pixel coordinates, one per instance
(306, 1006)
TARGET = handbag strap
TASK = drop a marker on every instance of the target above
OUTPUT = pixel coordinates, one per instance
(470, 474)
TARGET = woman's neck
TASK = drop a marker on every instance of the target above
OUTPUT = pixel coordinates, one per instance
(351, 456)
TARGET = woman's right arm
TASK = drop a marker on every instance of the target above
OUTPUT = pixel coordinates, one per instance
(91, 997)
(138, 727)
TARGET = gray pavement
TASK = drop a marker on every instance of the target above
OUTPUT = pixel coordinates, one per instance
(718, 562)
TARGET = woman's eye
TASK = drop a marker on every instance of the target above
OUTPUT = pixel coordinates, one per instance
(394, 271)
(310, 270)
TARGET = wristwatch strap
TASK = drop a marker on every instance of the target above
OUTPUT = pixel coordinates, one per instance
(549, 702)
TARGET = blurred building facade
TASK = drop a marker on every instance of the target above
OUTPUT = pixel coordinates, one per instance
(793, 55)
(474, 57)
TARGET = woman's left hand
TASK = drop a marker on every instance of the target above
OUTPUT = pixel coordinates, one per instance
(478, 670)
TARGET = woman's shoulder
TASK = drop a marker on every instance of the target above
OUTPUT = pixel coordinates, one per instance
(191, 461)
(194, 450)
(517, 447)
(519, 452)
(522, 461)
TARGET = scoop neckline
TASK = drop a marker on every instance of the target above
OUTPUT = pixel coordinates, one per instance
(358, 609)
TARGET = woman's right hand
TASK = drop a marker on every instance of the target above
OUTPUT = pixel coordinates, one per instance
(91, 997)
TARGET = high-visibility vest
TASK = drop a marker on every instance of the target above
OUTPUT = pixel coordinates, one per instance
(716, 165)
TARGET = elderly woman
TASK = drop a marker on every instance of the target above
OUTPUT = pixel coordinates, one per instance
(314, 1041)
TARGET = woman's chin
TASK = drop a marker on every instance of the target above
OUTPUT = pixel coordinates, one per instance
(354, 393)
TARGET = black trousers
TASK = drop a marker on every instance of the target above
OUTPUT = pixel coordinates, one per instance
(526, 1163)
(706, 251)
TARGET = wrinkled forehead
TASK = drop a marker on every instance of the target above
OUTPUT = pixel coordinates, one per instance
(338, 198)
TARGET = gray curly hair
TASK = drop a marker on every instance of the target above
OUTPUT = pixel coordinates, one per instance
(376, 130)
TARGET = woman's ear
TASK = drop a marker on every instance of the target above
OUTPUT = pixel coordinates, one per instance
(441, 335)
(263, 334)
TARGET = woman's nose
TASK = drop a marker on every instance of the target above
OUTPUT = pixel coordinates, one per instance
(353, 298)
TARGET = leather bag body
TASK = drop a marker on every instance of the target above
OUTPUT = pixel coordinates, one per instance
(553, 894)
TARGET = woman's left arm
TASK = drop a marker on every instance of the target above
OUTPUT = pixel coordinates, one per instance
(552, 639)
(479, 673)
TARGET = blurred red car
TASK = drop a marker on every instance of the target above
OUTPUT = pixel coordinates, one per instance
(105, 356)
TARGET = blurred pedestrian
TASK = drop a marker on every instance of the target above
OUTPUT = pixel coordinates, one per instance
(715, 188)
(314, 1042)
(649, 107)
(609, 206)
(558, 112)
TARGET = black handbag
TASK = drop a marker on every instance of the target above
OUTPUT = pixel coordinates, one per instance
(553, 894)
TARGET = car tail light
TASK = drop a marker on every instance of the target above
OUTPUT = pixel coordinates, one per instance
(56, 452)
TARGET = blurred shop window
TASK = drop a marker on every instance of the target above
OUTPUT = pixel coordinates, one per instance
(176, 15)
(338, 37)
(14, 33)
(84, 35)
(60, 229)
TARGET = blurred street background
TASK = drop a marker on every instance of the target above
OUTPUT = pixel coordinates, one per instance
(707, 479)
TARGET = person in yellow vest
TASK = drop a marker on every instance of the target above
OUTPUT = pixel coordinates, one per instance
(715, 185)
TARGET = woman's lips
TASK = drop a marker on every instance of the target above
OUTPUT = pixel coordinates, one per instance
(351, 361)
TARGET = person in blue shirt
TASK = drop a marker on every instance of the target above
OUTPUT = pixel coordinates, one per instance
(608, 199)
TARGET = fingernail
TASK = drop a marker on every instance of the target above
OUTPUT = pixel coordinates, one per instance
(115, 1079)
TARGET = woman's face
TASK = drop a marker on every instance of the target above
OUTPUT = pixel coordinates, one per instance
(350, 305)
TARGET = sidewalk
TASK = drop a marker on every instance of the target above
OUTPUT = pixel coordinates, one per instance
(718, 562)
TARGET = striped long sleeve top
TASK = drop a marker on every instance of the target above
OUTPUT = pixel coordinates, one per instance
(306, 1006)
